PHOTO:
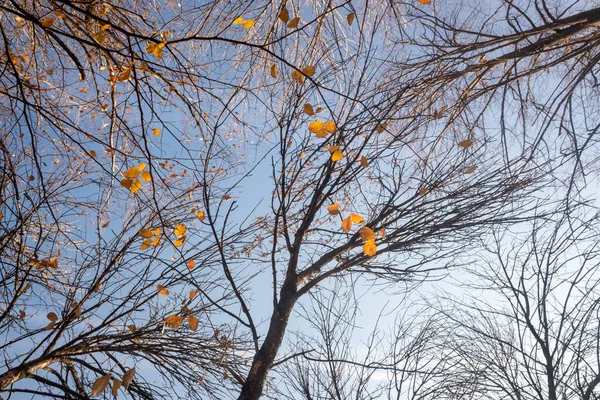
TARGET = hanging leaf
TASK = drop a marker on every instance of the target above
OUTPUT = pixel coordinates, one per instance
(174, 321)
(135, 186)
(156, 132)
(162, 290)
(309, 71)
(470, 169)
(333, 209)
(249, 23)
(337, 156)
(53, 263)
(350, 18)
(366, 233)
(125, 75)
(50, 326)
(126, 183)
(381, 128)
(180, 230)
(128, 377)
(52, 316)
(155, 241)
(347, 224)
(370, 248)
(284, 15)
(193, 321)
(364, 162)
(382, 232)
(193, 293)
(115, 387)
(298, 77)
(200, 215)
(146, 177)
(132, 173)
(357, 219)
(238, 21)
(330, 126)
(145, 244)
(132, 328)
(146, 233)
(179, 242)
(465, 144)
(333, 149)
(423, 191)
(294, 23)
(191, 264)
(100, 385)
(308, 109)
(274, 71)
(316, 127)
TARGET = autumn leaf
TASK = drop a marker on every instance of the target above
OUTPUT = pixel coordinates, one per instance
(425, 2)
(330, 126)
(337, 156)
(238, 21)
(381, 128)
(100, 385)
(333, 209)
(193, 293)
(125, 75)
(50, 326)
(131, 328)
(52, 316)
(180, 230)
(284, 15)
(465, 144)
(115, 387)
(364, 162)
(146, 177)
(155, 49)
(179, 242)
(174, 321)
(294, 23)
(128, 377)
(22, 314)
(274, 71)
(382, 232)
(162, 290)
(156, 132)
(132, 173)
(191, 264)
(423, 191)
(135, 186)
(193, 321)
(347, 224)
(200, 215)
(316, 127)
(146, 233)
(47, 22)
(308, 109)
(357, 219)
(155, 241)
(249, 23)
(126, 183)
(350, 18)
(366, 233)
(298, 77)
(333, 149)
(370, 248)
(145, 244)
(470, 169)
(53, 263)
(309, 71)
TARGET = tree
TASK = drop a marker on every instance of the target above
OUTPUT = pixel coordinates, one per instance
(134, 134)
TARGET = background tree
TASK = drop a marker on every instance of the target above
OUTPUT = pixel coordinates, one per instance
(135, 136)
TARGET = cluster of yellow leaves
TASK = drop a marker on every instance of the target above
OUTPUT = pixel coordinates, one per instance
(151, 238)
(156, 49)
(336, 153)
(246, 23)
(367, 235)
(180, 231)
(102, 383)
(131, 181)
(321, 129)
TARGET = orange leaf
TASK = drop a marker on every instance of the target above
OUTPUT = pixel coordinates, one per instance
(200, 215)
(52, 316)
(146, 177)
(132, 173)
(309, 71)
(380, 128)
(162, 290)
(470, 170)
(156, 132)
(174, 321)
(47, 22)
(370, 248)
(294, 23)
(180, 230)
(125, 75)
(424, 2)
(115, 387)
(347, 224)
(191, 264)
(284, 15)
(357, 219)
(135, 186)
(298, 77)
(100, 385)
(308, 109)
(337, 156)
(366, 233)
(193, 321)
(193, 293)
(274, 71)
(316, 127)
(334, 209)
(330, 126)
(145, 233)
(128, 377)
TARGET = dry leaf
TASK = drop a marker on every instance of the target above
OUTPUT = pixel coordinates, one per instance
(274, 71)
(115, 387)
(470, 169)
(100, 385)
(193, 321)
(465, 144)
(193, 293)
(347, 224)
(284, 15)
(145, 233)
(357, 219)
(180, 230)
(370, 248)
(294, 23)
(309, 71)
(308, 109)
(366, 233)
(350, 18)
(333, 209)
(162, 290)
(298, 77)
(191, 264)
(174, 321)
(337, 156)
(47, 22)
(50, 326)
(128, 377)
(364, 162)
(52, 316)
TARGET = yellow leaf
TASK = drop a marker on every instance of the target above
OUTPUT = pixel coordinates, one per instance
(105, 27)
(470, 170)
(200, 215)
(294, 23)
(128, 377)
(333, 149)
(155, 49)
(366, 233)
(193, 293)
(330, 126)
(100, 385)
(193, 321)
(337, 156)
(238, 21)
(47, 22)
(179, 242)
(145, 244)
(425, 2)
(249, 23)
(53, 263)
(333, 209)
(141, 167)
(308, 109)
(357, 219)
(316, 127)
(156, 132)
(132, 173)
(284, 15)
(125, 75)
(115, 387)
(145, 233)
(174, 321)
(274, 71)
(156, 231)
(364, 162)
(162, 290)
(180, 230)
(52, 316)
(155, 241)
(298, 77)
(347, 224)
(126, 183)
(135, 186)
(191, 264)
(465, 144)
(350, 18)
(309, 71)
(370, 248)
(146, 177)
(380, 128)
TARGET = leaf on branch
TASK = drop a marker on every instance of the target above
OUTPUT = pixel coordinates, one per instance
(308, 109)
(316, 127)
(115, 387)
(347, 224)
(52, 316)
(465, 144)
(145, 244)
(366, 233)
(132, 173)
(135, 186)
(174, 321)
(298, 77)
(333, 149)
(370, 248)
(50, 325)
(146, 177)
(309, 71)
(146, 233)
(294, 23)
(333, 209)
(470, 169)
(337, 156)
(249, 23)
(126, 183)
(47, 22)
(330, 126)
(155, 49)
(424, 2)
(191, 264)
(364, 162)
(128, 377)
(274, 71)
(193, 293)
(180, 230)
(357, 219)
(423, 191)
(180, 241)
(193, 321)
(381, 128)
(162, 290)
(156, 132)
(350, 18)
(132, 328)
(125, 75)
(200, 215)
(100, 385)
(284, 15)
